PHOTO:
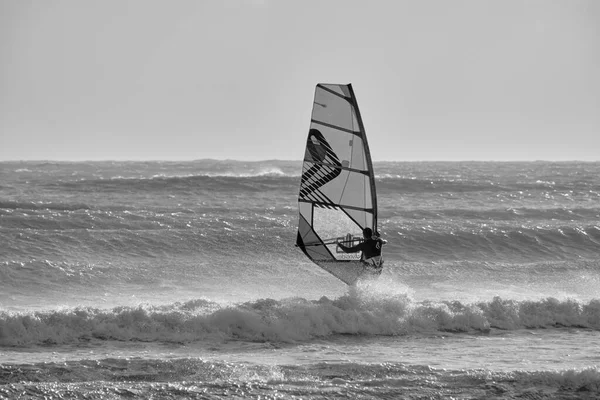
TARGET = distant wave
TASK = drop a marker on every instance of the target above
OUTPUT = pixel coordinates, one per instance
(42, 205)
(395, 184)
(260, 172)
(289, 320)
(413, 235)
(517, 244)
(493, 214)
(188, 183)
(276, 179)
(392, 178)
(403, 184)
(35, 275)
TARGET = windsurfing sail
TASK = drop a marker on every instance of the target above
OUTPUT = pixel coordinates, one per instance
(337, 198)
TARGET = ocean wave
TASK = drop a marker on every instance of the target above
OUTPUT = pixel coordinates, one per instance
(490, 241)
(276, 180)
(401, 184)
(197, 378)
(492, 214)
(42, 205)
(426, 236)
(290, 320)
(39, 275)
(529, 174)
(507, 181)
(251, 173)
(223, 183)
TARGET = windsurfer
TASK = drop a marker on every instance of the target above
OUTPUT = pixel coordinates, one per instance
(370, 247)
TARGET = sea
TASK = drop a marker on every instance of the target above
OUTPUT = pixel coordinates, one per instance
(181, 280)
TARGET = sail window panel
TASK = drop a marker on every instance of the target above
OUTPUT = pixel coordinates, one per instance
(334, 225)
(331, 224)
(333, 110)
(348, 148)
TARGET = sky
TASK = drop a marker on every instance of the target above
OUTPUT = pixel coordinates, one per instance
(234, 79)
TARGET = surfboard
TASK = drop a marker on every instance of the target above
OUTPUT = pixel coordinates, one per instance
(337, 197)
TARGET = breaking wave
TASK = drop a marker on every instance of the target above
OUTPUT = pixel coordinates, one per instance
(290, 320)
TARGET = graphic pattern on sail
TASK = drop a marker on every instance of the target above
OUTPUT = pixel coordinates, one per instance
(337, 196)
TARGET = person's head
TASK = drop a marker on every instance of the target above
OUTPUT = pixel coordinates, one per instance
(367, 233)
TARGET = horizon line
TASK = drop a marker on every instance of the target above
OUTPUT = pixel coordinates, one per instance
(282, 160)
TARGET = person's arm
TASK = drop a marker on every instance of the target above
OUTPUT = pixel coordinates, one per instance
(377, 237)
(353, 249)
